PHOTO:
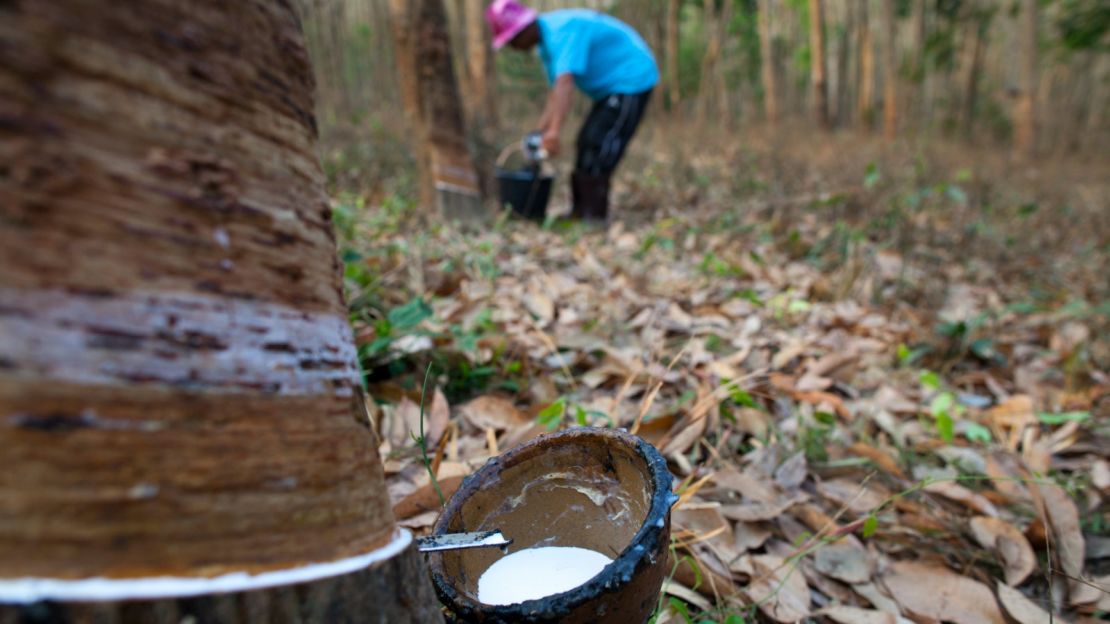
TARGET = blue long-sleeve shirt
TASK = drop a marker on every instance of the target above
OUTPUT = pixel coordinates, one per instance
(605, 55)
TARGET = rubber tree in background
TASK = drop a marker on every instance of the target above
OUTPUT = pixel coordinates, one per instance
(818, 82)
(890, 70)
(432, 101)
(671, 31)
(481, 83)
(181, 415)
(712, 91)
(866, 65)
(767, 62)
(1025, 114)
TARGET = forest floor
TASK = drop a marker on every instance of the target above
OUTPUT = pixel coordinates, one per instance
(880, 374)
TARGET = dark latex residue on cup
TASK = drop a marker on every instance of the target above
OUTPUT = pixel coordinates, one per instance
(601, 489)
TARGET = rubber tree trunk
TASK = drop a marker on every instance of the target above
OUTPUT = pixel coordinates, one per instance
(920, 106)
(1025, 117)
(707, 90)
(767, 63)
(974, 52)
(720, 83)
(179, 390)
(890, 71)
(482, 96)
(840, 88)
(866, 65)
(479, 64)
(671, 50)
(433, 106)
(818, 82)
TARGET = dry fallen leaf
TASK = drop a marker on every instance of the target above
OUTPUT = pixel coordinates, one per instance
(746, 485)
(844, 614)
(493, 412)
(1067, 536)
(1086, 592)
(692, 571)
(400, 422)
(707, 527)
(836, 591)
(750, 535)
(686, 595)
(877, 597)
(855, 496)
(684, 434)
(753, 512)
(792, 472)
(436, 416)
(1003, 470)
(777, 587)
(1100, 475)
(939, 593)
(1102, 586)
(881, 458)
(891, 400)
(959, 493)
(540, 305)
(1013, 416)
(1005, 539)
(845, 560)
(1021, 609)
(521, 434)
(425, 498)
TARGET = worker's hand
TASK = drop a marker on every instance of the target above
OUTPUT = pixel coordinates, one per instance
(551, 142)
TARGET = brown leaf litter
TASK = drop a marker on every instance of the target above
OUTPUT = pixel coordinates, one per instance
(816, 481)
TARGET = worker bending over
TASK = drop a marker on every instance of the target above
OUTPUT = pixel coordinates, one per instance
(609, 62)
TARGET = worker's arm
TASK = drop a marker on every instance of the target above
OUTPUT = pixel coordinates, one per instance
(555, 112)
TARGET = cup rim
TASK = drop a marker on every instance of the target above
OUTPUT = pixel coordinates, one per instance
(616, 573)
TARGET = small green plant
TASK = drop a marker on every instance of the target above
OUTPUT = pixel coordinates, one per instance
(552, 415)
(814, 437)
(872, 175)
(908, 356)
(741, 397)
(400, 321)
(975, 432)
(1063, 417)
(942, 407)
(964, 337)
(750, 296)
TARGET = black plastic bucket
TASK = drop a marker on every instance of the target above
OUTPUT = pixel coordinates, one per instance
(526, 191)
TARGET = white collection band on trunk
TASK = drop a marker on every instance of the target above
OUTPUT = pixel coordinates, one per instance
(31, 589)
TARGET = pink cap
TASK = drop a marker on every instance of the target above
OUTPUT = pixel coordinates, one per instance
(506, 19)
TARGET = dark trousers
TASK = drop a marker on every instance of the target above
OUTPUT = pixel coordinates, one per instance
(602, 141)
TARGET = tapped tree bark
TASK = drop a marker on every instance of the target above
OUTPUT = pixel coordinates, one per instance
(482, 96)
(820, 103)
(767, 63)
(182, 422)
(480, 67)
(449, 180)
(1025, 114)
(401, 18)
